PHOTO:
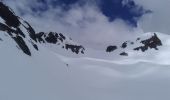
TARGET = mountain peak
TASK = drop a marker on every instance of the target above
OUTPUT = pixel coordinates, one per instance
(25, 36)
(23, 33)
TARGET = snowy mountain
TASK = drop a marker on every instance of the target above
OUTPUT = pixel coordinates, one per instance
(24, 35)
(51, 66)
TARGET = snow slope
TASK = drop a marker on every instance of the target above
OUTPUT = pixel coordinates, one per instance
(53, 73)
(47, 75)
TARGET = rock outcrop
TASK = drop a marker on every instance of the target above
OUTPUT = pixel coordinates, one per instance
(151, 43)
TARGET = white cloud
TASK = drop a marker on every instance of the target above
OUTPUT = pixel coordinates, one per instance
(86, 24)
(159, 19)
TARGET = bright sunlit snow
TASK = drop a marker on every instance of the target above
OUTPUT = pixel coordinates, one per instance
(48, 75)
(84, 50)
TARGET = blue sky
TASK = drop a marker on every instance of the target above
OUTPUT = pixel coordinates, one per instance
(95, 22)
(129, 11)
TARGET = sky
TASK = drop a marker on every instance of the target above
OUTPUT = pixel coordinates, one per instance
(95, 23)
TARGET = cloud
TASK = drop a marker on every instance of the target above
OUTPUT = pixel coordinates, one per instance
(84, 23)
(159, 20)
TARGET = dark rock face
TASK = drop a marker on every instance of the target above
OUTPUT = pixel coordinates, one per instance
(124, 45)
(22, 45)
(39, 37)
(5, 28)
(124, 54)
(18, 39)
(8, 16)
(54, 38)
(31, 31)
(12, 28)
(74, 48)
(62, 37)
(51, 37)
(111, 48)
(151, 43)
(132, 43)
(137, 39)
